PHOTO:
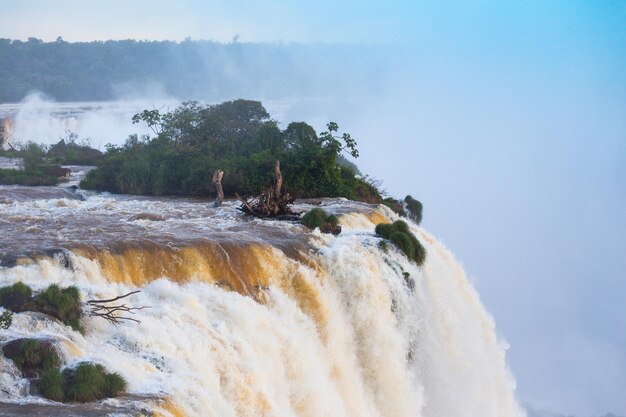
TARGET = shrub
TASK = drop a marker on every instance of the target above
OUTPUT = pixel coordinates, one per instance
(32, 354)
(314, 218)
(414, 208)
(384, 230)
(51, 385)
(395, 205)
(63, 304)
(16, 295)
(400, 235)
(114, 384)
(332, 220)
(90, 382)
(327, 223)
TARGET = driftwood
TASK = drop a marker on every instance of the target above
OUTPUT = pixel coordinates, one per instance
(113, 313)
(271, 203)
(217, 181)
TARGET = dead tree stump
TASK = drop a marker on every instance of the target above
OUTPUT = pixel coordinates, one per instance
(217, 182)
(271, 203)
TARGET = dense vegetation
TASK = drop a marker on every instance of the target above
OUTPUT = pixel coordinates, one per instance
(399, 234)
(39, 360)
(61, 303)
(89, 71)
(237, 137)
(41, 164)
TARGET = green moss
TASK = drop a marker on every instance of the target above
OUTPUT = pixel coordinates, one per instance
(400, 235)
(90, 382)
(51, 385)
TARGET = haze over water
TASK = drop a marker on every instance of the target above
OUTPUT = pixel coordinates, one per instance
(506, 120)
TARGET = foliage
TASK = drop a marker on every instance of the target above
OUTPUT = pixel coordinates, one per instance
(32, 354)
(394, 205)
(15, 295)
(6, 319)
(71, 151)
(51, 385)
(62, 303)
(237, 137)
(90, 382)
(414, 209)
(400, 235)
(93, 71)
(319, 218)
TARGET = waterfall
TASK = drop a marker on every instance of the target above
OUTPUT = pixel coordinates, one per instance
(330, 326)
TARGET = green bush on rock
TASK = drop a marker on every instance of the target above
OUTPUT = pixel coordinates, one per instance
(32, 355)
(414, 208)
(327, 223)
(399, 234)
(16, 295)
(62, 303)
(395, 206)
(51, 385)
(90, 382)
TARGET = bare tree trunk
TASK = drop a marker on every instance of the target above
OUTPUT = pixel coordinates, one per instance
(217, 181)
(279, 179)
(271, 203)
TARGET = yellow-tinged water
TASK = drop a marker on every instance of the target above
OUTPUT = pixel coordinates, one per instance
(259, 318)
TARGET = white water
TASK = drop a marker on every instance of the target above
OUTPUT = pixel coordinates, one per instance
(373, 346)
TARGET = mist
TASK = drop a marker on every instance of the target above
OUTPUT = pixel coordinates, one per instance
(508, 123)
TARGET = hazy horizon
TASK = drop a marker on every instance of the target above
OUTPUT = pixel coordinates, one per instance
(508, 121)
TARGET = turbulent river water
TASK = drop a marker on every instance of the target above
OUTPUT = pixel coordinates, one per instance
(250, 317)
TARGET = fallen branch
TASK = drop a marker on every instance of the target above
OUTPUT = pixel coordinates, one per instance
(99, 308)
(271, 203)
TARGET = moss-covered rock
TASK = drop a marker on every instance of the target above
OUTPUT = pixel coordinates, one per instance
(327, 223)
(14, 296)
(89, 382)
(414, 209)
(400, 235)
(61, 303)
(32, 356)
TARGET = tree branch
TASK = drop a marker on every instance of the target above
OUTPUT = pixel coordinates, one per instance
(113, 313)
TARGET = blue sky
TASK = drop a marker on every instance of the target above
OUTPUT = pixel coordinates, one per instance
(506, 118)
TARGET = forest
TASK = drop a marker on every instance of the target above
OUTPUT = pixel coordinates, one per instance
(198, 70)
(239, 138)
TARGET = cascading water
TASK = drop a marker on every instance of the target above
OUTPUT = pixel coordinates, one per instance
(255, 318)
